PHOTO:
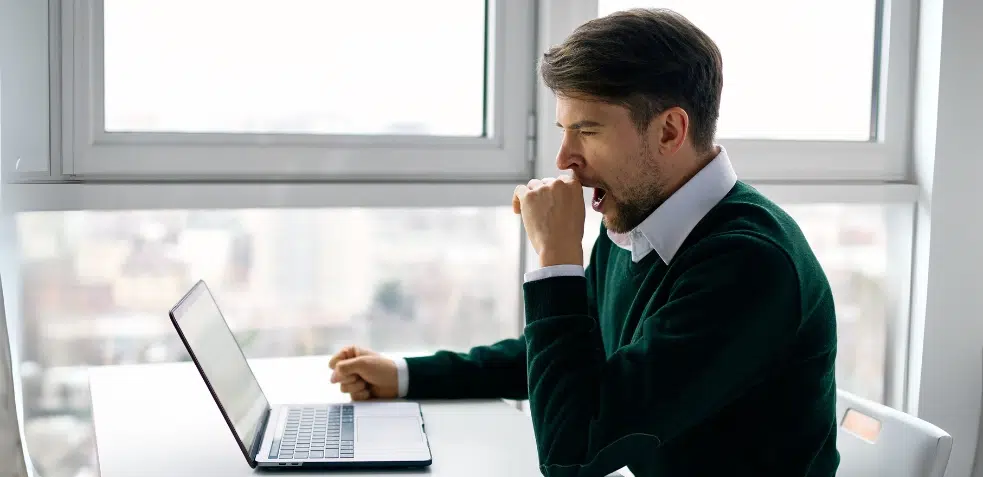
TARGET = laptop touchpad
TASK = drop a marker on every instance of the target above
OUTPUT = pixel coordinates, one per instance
(388, 429)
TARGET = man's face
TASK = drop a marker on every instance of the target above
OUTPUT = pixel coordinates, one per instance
(605, 151)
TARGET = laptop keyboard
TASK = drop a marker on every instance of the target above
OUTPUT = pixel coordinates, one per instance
(317, 433)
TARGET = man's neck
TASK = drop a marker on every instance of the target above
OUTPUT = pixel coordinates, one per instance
(690, 166)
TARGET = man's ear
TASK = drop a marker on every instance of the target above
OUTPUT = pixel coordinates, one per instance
(672, 127)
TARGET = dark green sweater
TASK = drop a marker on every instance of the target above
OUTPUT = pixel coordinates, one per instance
(719, 363)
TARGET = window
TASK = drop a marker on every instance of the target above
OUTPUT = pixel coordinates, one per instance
(800, 102)
(778, 83)
(851, 242)
(292, 89)
(183, 108)
(97, 287)
(295, 66)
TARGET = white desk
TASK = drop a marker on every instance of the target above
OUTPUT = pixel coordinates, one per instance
(160, 421)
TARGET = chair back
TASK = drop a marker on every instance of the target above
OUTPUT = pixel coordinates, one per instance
(875, 440)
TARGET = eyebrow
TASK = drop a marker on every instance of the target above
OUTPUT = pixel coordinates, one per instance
(581, 124)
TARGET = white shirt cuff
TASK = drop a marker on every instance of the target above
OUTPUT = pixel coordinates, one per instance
(555, 271)
(402, 377)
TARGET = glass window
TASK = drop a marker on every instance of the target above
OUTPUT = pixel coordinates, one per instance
(850, 241)
(98, 285)
(295, 66)
(792, 69)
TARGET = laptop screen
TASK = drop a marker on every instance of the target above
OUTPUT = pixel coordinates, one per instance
(222, 363)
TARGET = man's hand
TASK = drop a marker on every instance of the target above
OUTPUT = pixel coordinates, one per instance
(364, 374)
(553, 213)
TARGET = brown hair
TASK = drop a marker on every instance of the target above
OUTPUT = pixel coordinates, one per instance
(647, 60)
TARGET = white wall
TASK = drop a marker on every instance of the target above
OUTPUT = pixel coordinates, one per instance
(947, 314)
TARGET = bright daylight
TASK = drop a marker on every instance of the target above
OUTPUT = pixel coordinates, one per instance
(548, 238)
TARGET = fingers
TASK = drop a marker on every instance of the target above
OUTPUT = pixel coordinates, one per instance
(346, 374)
(348, 352)
(349, 367)
(346, 371)
(337, 377)
(517, 196)
(349, 364)
(522, 191)
(355, 386)
(358, 389)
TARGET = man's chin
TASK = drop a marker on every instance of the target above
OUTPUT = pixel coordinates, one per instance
(621, 220)
(613, 223)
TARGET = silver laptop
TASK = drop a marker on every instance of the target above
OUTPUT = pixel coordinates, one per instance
(329, 435)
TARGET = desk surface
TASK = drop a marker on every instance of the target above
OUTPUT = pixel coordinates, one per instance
(159, 420)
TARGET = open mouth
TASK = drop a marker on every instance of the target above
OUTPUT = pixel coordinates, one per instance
(598, 199)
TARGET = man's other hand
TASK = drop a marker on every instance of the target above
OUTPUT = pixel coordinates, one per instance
(364, 374)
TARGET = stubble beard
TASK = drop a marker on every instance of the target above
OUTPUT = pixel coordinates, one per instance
(640, 199)
(627, 215)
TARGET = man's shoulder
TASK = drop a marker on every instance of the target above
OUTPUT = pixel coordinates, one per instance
(745, 212)
(747, 217)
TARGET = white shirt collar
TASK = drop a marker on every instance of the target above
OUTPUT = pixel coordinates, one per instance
(665, 229)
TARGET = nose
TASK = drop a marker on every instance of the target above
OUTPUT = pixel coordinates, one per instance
(569, 156)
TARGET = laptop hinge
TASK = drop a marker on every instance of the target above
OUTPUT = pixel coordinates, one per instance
(258, 438)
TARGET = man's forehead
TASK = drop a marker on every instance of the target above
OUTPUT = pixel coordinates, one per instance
(571, 110)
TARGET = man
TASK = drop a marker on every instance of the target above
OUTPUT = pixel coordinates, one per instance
(701, 338)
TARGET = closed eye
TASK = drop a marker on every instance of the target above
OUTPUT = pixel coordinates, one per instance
(588, 133)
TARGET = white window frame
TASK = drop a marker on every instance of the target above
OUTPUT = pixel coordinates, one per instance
(884, 159)
(25, 90)
(92, 153)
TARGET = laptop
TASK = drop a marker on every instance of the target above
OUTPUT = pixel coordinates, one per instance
(327, 435)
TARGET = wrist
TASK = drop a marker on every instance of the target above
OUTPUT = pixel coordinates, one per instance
(561, 256)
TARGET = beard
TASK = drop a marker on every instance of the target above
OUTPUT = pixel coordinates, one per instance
(643, 191)
(624, 215)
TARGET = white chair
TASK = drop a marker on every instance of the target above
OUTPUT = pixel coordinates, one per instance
(875, 440)
(12, 455)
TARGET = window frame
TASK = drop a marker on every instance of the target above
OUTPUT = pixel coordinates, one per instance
(26, 106)
(886, 158)
(89, 152)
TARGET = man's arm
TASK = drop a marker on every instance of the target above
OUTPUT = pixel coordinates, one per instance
(495, 371)
(730, 313)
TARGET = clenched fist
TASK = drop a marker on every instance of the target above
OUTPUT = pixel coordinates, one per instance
(553, 213)
(364, 374)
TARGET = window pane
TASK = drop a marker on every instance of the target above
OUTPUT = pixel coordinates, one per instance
(296, 66)
(98, 285)
(850, 241)
(792, 69)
